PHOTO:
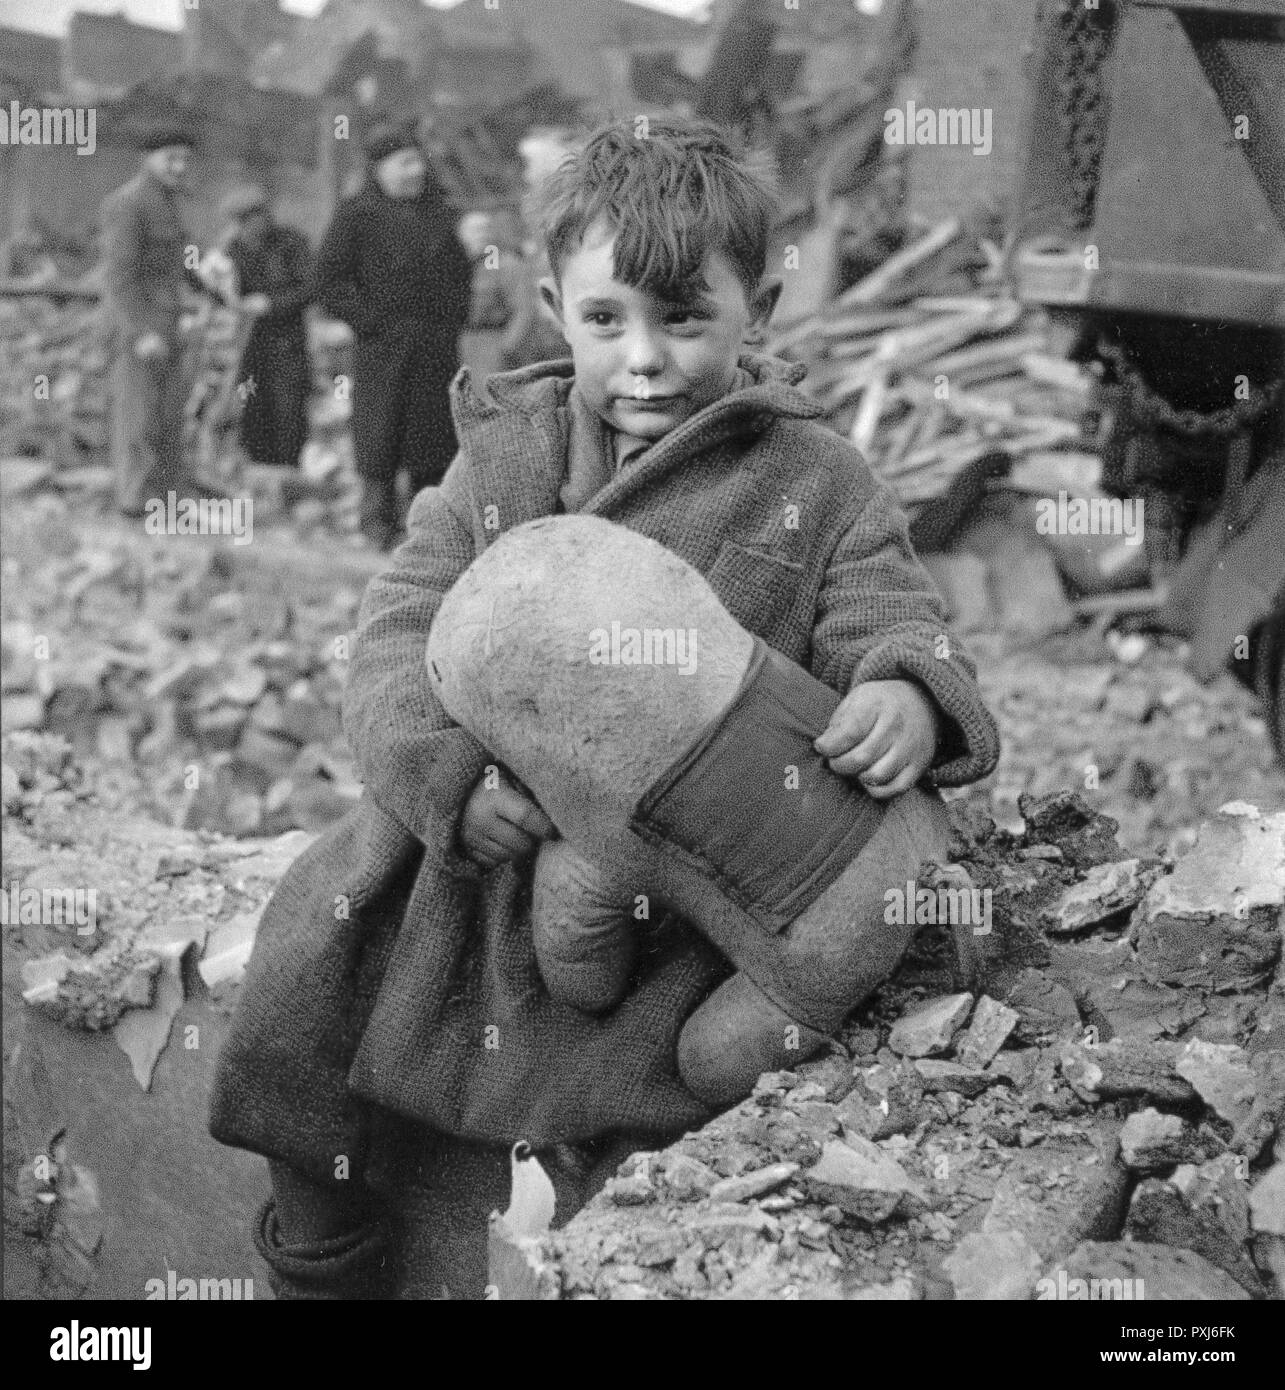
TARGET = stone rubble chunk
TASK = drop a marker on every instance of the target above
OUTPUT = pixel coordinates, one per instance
(1267, 1117)
(1151, 1142)
(1161, 1213)
(1059, 1193)
(931, 1028)
(1045, 1009)
(228, 950)
(995, 1265)
(751, 1185)
(1123, 1067)
(1105, 891)
(950, 1076)
(687, 1178)
(92, 992)
(859, 1178)
(991, 1025)
(1267, 1202)
(1064, 819)
(1215, 922)
(1138, 1271)
(1217, 1188)
(1222, 1077)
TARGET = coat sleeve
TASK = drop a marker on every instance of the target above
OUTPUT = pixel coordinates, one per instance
(335, 279)
(416, 763)
(123, 240)
(879, 617)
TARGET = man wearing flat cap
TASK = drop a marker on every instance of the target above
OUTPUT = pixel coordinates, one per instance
(273, 266)
(144, 243)
(392, 268)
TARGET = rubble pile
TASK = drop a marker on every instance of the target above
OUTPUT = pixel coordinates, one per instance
(54, 361)
(161, 897)
(192, 657)
(1080, 1102)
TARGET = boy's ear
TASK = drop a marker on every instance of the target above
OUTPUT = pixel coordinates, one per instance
(549, 294)
(764, 303)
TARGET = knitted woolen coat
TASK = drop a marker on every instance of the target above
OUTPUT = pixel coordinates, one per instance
(393, 978)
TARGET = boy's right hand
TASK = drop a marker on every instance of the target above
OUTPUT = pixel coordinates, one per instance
(501, 824)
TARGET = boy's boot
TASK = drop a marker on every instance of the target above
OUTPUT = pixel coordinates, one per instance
(319, 1247)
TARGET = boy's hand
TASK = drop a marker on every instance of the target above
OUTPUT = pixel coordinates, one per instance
(884, 733)
(502, 824)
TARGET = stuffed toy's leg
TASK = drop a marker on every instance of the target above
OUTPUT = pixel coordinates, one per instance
(585, 940)
(673, 752)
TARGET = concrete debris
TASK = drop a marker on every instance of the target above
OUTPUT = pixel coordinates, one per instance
(685, 1177)
(989, 1030)
(951, 1076)
(751, 1185)
(227, 950)
(1124, 1067)
(998, 1265)
(931, 1028)
(1045, 1009)
(1105, 892)
(1064, 819)
(142, 1034)
(1215, 922)
(1059, 1193)
(1139, 1271)
(1222, 1077)
(1267, 1202)
(1161, 1213)
(92, 992)
(1267, 1117)
(860, 1179)
(1151, 1142)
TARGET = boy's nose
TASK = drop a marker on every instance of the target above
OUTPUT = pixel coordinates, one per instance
(644, 355)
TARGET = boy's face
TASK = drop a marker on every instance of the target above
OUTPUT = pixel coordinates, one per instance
(644, 364)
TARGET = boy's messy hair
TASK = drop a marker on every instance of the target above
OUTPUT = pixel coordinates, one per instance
(673, 190)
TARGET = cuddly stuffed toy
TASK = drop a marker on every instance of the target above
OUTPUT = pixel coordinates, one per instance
(673, 752)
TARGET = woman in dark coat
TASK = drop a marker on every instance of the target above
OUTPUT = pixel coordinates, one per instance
(392, 268)
(272, 264)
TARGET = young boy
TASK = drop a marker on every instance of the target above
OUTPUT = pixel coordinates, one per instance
(394, 1005)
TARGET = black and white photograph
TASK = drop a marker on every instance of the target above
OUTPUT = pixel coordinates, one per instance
(643, 659)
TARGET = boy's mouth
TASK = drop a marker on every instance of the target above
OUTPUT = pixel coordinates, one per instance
(649, 402)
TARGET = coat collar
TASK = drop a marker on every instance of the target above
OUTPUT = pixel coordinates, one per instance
(515, 427)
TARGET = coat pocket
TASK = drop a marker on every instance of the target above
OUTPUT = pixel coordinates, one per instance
(755, 586)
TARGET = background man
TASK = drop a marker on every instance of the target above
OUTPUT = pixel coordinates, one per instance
(392, 267)
(144, 241)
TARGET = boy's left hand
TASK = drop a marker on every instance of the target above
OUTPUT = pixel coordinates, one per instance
(884, 733)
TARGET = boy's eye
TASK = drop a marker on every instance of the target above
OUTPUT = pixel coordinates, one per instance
(600, 318)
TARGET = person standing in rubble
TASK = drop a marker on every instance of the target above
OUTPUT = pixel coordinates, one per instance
(273, 266)
(392, 267)
(144, 267)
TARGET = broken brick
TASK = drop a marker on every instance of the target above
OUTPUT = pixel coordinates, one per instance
(931, 1028)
